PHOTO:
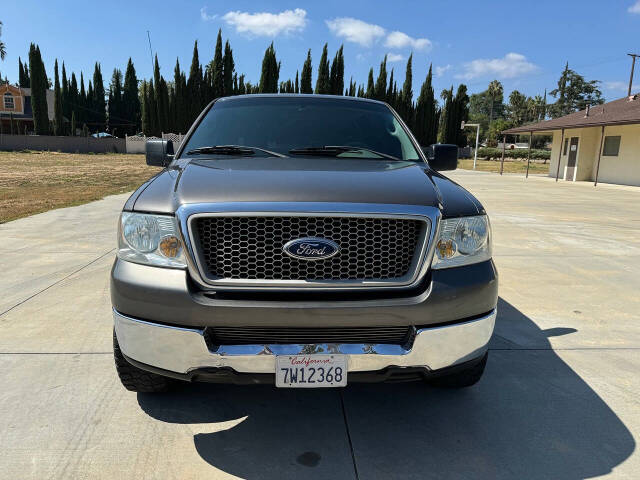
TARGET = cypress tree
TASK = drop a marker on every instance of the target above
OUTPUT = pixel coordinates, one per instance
(58, 122)
(297, 86)
(91, 113)
(99, 102)
(194, 86)
(406, 95)
(216, 72)
(228, 67)
(131, 100)
(146, 110)
(39, 85)
(461, 115)
(270, 72)
(370, 85)
(447, 117)
(427, 116)
(337, 73)
(242, 89)
(380, 90)
(82, 103)
(116, 105)
(323, 82)
(23, 74)
(305, 77)
(389, 94)
(180, 104)
(73, 123)
(66, 107)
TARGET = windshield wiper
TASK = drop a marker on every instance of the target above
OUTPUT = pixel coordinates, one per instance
(231, 150)
(335, 150)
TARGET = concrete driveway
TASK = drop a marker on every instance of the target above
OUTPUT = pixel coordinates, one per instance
(559, 398)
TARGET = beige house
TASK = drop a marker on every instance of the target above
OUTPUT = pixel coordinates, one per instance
(599, 144)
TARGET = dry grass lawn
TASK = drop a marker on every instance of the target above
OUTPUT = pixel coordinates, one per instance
(510, 166)
(34, 182)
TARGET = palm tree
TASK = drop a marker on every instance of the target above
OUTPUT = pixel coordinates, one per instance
(3, 50)
(494, 90)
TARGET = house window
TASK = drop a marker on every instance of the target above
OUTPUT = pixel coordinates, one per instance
(611, 146)
(8, 101)
(566, 145)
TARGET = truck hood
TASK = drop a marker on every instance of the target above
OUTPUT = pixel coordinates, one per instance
(301, 179)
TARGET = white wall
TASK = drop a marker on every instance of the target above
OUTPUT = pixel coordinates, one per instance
(625, 168)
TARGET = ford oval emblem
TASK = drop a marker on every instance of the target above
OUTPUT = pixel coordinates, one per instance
(311, 248)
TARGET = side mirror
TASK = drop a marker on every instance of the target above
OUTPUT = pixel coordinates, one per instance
(442, 156)
(159, 152)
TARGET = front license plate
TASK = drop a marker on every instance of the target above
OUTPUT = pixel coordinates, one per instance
(311, 371)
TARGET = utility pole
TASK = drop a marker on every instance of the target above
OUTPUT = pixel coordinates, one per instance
(633, 64)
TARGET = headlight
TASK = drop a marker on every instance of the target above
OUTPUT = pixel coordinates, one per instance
(150, 239)
(463, 241)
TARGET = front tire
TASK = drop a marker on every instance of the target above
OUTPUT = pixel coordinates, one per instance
(135, 379)
(462, 378)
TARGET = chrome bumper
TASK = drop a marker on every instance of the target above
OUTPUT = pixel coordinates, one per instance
(182, 350)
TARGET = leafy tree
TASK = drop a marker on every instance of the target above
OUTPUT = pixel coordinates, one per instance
(270, 71)
(305, 77)
(3, 48)
(574, 93)
(99, 103)
(380, 89)
(58, 122)
(323, 82)
(494, 91)
(228, 67)
(427, 113)
(447, 117)
(39, 85)
(518, 108)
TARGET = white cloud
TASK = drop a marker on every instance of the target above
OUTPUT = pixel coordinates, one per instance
(267, 24)
(205, 16)
(355, 31)
(635, 8)
(440, 71)
(510, 66)
(394, 57)
(402, 40)
(620, 86)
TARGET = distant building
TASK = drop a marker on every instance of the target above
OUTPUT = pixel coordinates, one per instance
(600, 144)
(15, 103)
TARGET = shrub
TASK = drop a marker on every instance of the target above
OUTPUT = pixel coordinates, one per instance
(496, 154)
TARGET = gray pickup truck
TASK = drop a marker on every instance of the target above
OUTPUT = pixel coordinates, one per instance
(306, 241)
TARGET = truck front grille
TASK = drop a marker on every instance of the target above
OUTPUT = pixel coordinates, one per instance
(215, 336)
(251, 247)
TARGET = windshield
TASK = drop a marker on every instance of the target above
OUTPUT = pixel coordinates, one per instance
(282, 124)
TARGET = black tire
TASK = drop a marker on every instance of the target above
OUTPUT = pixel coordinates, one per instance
(462, 378)
(136, 379)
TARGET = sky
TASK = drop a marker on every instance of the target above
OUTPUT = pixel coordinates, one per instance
(523, 44)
